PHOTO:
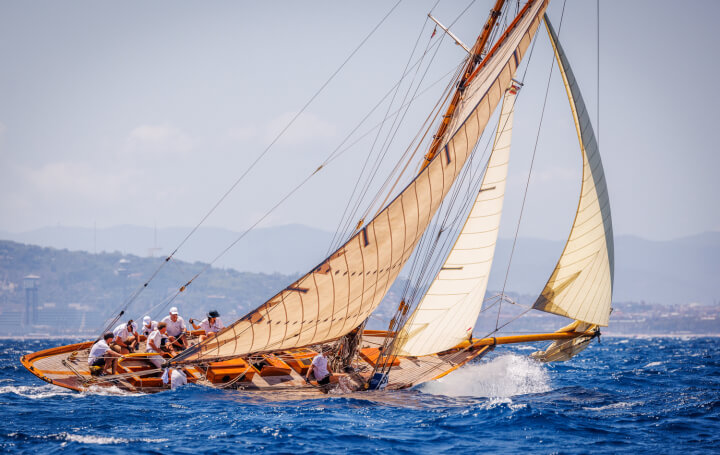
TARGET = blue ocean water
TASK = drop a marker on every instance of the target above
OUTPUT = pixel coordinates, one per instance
(620, 396)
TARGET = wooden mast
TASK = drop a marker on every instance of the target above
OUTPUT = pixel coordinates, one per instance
(474, 59)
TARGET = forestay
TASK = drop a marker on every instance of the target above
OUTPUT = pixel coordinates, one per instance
(341, 292)
(581, 285)
(447, 313)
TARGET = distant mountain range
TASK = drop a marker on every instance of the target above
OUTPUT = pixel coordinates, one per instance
(676, 271)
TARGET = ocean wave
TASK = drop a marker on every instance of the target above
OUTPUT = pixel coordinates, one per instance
(110, 391)
(86, 439)
(36, 392)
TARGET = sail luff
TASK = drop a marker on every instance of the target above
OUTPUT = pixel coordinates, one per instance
(346, 287)
(449, 309)
(580, 287)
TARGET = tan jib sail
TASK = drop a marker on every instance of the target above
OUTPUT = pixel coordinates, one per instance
(342, 291)
(581, 285)
(449, 309)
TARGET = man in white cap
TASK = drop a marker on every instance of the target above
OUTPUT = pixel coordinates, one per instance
(176, 329)
(148, 326)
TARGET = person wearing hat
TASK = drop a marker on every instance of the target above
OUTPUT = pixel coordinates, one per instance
(148, 327)
(211, 325)
(126, 338)
(319, 368)
(176, 329)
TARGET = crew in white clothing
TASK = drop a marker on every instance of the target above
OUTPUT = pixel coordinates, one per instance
(319, 368)
(157, 342)
(102, 356)
(178, 378)
(176, 329)
(211, 325)
(148, 327)
(127, 338)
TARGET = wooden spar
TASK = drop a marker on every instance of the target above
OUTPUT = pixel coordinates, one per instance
(492, 341)
(473, 60)
(483, 344)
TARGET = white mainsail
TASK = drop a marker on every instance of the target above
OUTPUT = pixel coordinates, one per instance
(341, 292)
(449, 309)
(581, 285)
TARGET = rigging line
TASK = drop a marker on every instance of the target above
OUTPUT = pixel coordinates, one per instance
(532, 161)
(348, 222)
(336, 154)
(469, 197)
(410, 152)
(254, 163)
(338, 151)
(253, 226)
(289, 124)
(425, 129)
(401, 317)
(390, 138)
(396, 90)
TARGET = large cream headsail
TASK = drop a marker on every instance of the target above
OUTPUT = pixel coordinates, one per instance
(341, 292)
(447, 313)
(581, 285)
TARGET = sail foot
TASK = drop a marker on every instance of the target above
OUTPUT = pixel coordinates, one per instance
(562, 350)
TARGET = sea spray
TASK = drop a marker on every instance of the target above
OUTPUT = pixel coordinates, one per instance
(504, 376)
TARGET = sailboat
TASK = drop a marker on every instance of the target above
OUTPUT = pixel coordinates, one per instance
(271, 348)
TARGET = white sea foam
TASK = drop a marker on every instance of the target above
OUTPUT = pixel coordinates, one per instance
(36, 392)
(502, 377)
(91, 439)
(110, 391)
(619, 405)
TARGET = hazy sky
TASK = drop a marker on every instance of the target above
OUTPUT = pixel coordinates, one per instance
(146, 112)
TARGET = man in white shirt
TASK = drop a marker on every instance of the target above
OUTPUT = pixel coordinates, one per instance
(127, 338)
(319, 368)
(176, 329)
(102, 357)
(158, 342)
(148, 327)
(211, 325)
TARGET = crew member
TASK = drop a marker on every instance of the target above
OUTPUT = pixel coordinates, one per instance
(127, 338)
(319, 368)
(176, 329)
(158, 342)
(148, 327)
(102, 357)
(211, 325)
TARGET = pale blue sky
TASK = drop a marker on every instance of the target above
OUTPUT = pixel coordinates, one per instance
(146, 112)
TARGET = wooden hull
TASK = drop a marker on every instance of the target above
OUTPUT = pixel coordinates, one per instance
(283, 371)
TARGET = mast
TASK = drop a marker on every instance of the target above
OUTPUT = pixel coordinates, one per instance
(474, 59)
